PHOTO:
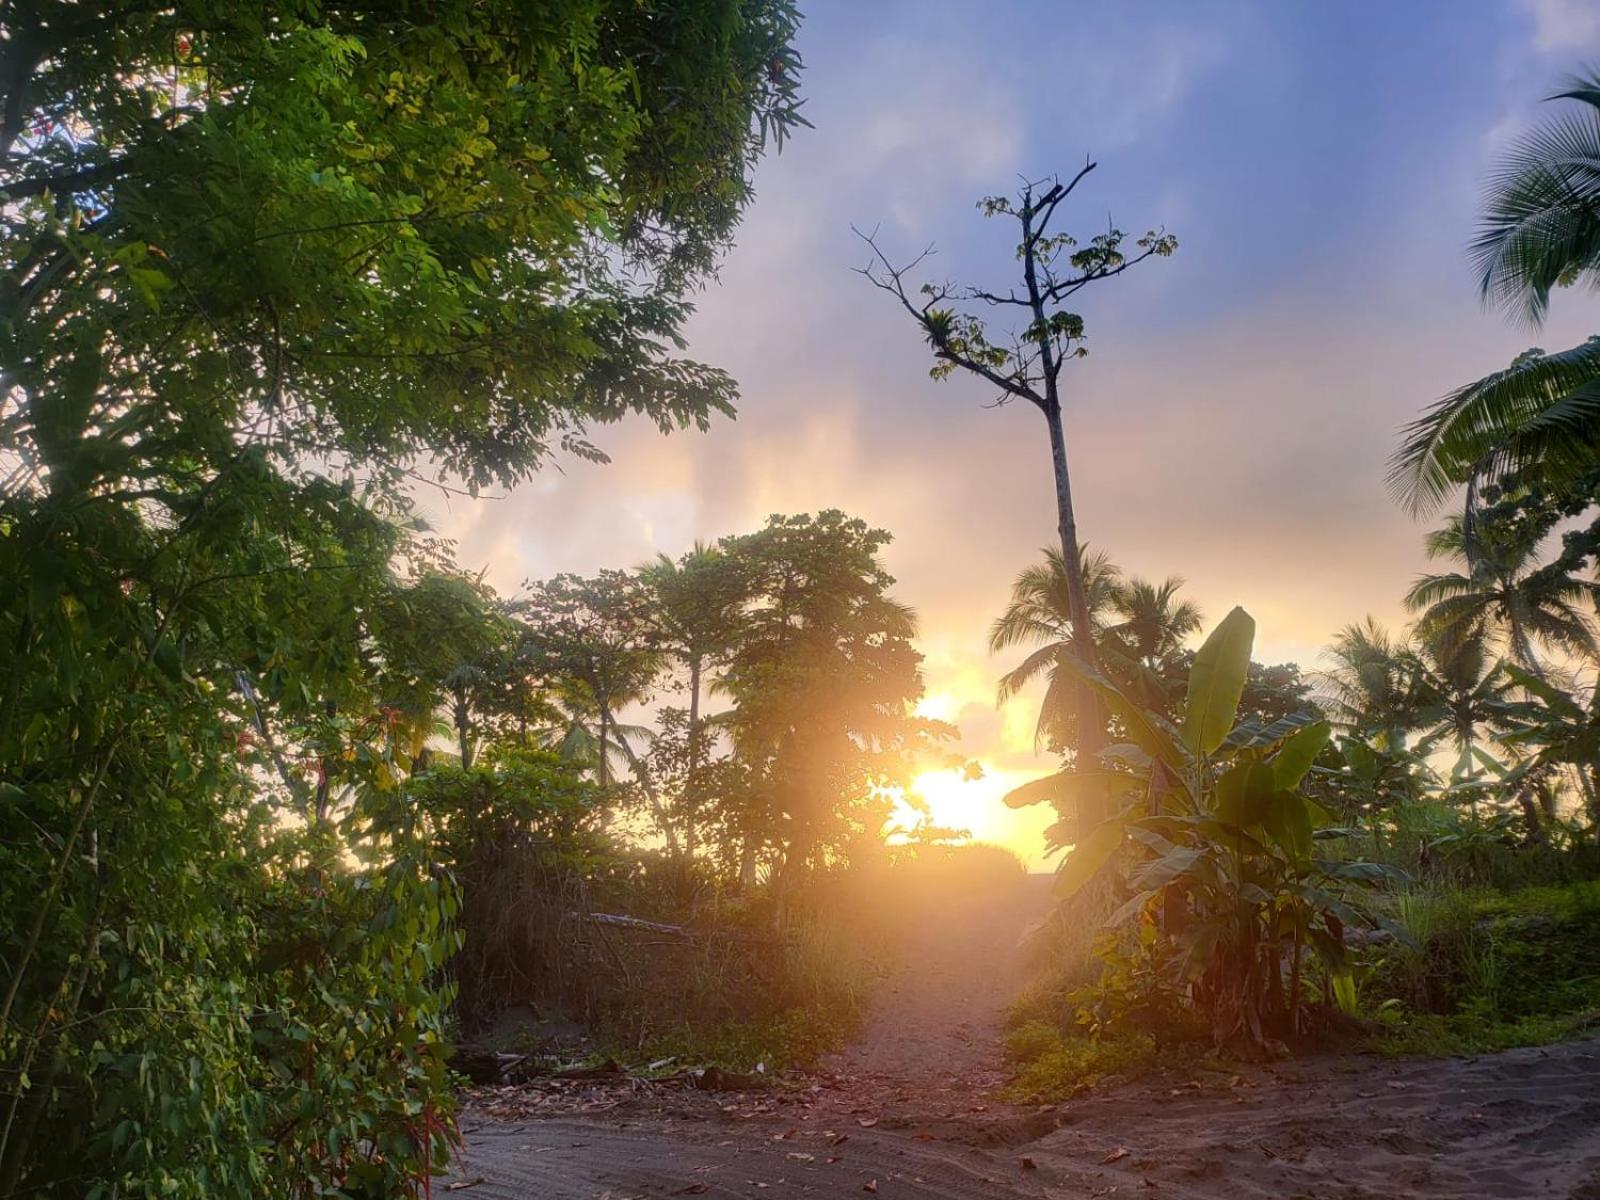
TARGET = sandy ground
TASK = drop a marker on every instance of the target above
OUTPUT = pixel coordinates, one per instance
(907, 1111)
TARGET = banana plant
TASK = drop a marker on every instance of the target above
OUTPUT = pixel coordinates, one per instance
(1219, 846)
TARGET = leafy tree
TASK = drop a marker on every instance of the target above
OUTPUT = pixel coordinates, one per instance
(1552, 728)
(441, 635)
(1139, 627)
(1540, 229)
(1463, 693)
(823, 678)
(598, 638)
(256, 264)
(510, 831)
(1026, 360)
(1152, 622)
(698, 600)
(1039, 614)
(1370, 686)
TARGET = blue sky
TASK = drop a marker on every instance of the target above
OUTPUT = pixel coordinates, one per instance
(1320, 164)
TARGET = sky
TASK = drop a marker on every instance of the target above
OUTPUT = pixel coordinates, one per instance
(1320, 165)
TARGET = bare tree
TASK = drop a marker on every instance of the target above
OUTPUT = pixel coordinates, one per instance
(1026, 360)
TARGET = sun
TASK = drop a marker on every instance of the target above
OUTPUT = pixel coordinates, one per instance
(956, 799)
(953, 800)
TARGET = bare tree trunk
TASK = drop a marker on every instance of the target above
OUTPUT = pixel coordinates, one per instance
(1090, 737)
(747, 860)
(605, 739)
(692, 781)
(463, 729)
(1530, 816)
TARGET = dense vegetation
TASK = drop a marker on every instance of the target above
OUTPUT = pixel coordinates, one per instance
(1400, 840)
(260, 267)
(289, 803)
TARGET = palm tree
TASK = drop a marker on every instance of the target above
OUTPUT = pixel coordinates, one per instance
(1136, 625)
(1504, 598)
(1040, 614)
(1148, 636)
(1463, 690)
(1370, 687)
(1540, 229)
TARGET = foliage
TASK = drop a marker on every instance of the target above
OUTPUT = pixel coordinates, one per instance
(1535, 419)
(1487, 970)
(255, 264)
(823, 677)
(594, 639)
(1052, 1065)
(1137, 626)
(1220, 846)
(1024, 360)
(1506, 600)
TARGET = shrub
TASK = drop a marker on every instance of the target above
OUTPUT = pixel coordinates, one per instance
(1061, 1065)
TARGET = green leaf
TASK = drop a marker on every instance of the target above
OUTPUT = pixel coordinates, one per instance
(1178, 863)
(1216, 681)
(1088, 856)
(1070, 787)
(1243, 794)
(1288, 821)
(1344, 991)
(1290, 764)
(1151, 732)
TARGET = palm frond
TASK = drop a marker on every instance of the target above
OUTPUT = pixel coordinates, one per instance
(1527, 414)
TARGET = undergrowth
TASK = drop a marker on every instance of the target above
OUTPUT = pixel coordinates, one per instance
(1487, 970)
(1472, 970)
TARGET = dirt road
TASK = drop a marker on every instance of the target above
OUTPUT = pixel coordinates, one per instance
(908, 1112)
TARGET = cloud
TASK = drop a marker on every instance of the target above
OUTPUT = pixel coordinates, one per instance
(1564, 26)
(1101, 93)
(1234, 435)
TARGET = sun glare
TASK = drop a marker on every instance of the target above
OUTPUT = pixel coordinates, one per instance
(976, 806)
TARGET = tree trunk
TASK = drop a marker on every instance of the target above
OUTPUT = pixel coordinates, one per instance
(1090, 738)
(1530, 816)
(692, 781)
(603, 768)
(463, 729)
(747, 860)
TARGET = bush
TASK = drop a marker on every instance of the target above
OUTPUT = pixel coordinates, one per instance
(1054, 1065)
(1488, 970)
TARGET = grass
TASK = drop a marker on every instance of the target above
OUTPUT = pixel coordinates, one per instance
(1488, 971)
(798, 1038)
(1053, 1065)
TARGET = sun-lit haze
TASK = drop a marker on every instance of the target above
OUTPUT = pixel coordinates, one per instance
(1320, 166)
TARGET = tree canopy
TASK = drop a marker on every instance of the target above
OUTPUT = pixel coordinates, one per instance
(260, 268)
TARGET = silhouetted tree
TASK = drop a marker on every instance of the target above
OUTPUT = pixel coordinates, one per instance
(1024, 361)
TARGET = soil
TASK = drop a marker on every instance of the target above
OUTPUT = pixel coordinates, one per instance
(909, 1110)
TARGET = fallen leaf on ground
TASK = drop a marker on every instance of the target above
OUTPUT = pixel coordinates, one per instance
(870, 1185)
(866, 1122)
(1116, 1155)
(465, 1183)
(1029, 1165)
